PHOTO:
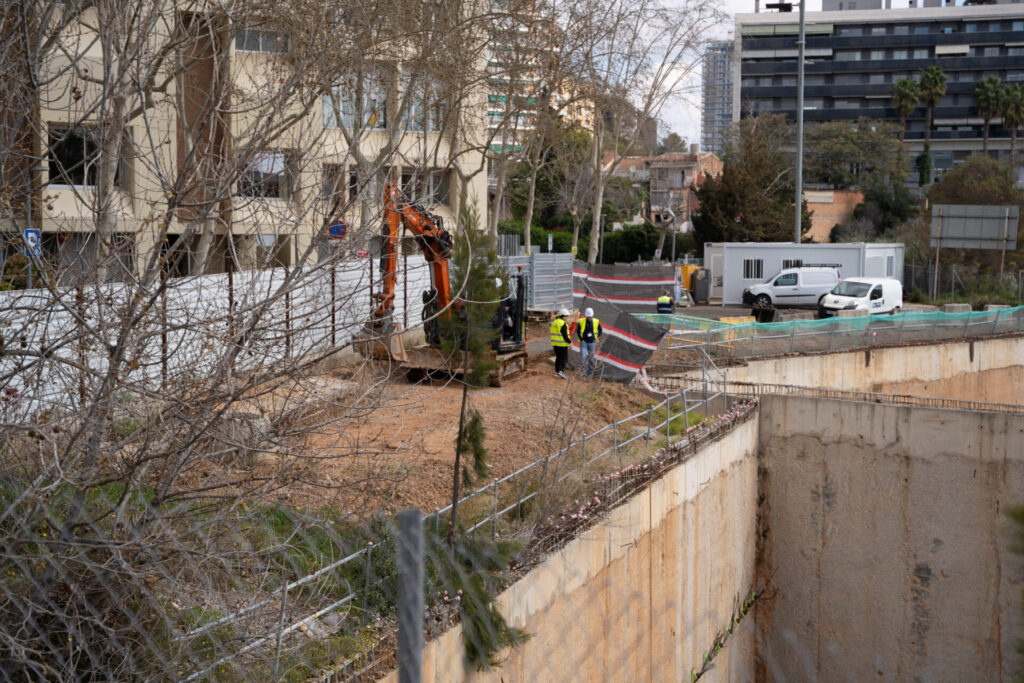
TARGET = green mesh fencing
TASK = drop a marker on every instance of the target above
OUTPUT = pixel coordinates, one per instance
(751, 339)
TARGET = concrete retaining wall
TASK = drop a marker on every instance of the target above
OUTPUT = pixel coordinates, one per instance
(951, 368)
(886, 542)
(640, 596)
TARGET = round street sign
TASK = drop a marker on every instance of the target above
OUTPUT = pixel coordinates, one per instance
(337, 229)
(362, 253)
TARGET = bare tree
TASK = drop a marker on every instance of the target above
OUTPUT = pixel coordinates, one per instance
(637, 56)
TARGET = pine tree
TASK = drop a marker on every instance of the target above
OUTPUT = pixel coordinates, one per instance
(467, 336)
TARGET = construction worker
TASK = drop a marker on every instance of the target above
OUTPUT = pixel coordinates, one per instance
(589, 331)
(560, 341)
(664, 303)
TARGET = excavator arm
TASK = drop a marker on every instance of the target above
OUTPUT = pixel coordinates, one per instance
(434, 241)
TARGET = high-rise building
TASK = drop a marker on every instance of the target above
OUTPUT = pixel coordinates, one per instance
(853, 58)
(717, 95)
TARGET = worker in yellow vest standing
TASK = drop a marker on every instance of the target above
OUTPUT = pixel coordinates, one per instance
(664, 303)
(589, 331)
(560, 341)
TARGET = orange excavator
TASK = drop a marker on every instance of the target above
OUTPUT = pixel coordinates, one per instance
(382, 339)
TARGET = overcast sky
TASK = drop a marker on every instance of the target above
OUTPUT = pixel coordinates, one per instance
(684, 117)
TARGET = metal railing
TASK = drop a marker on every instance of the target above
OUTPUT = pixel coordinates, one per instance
(752, 340)
(739, 389)
(505, 495)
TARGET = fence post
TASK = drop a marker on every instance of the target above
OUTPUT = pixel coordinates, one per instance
(366, 581)
(831, 331)
(410, 596)
(753, 337)
(668, 418)
(584, 448)
(792, 337)
(615, 437)
(280, 629)
(80, 305)
(900, 337)
(163, 329)
(405, 291)
(287, 323)
(334, 305)
(494, 532)
(650, 420)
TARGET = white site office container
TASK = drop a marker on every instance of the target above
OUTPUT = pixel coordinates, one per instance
(735, 265)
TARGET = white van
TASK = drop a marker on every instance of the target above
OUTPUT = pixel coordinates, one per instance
(798, 286)
(874, 294)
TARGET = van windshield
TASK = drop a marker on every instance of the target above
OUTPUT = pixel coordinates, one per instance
(854, 289)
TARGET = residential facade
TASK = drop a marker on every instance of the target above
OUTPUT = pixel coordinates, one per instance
(229, 159)
(716, 95)
(855, 56)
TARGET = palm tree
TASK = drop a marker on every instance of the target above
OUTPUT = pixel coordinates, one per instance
(932, 88)
(1013, 115)
(988, 99)
(904, 100)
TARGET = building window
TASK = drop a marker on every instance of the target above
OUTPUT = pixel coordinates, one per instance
(437, 187)
(1018, 26)
(921, 53)
(847, 55)
(268, 177)
(901, 30)
(74, 157)
(753, 269)
(878, 30)
(850, 31)
(921, 29)
(900, 54)
(876, 79)
(814, 79)
(792, 263)
(372, 110)
(256, 40)
(970, 28)
(1015, 51)
(878, 54)
(334, 189)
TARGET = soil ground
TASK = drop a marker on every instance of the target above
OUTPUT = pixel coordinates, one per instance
(401, 453)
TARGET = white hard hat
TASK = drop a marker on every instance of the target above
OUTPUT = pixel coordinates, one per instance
(588, 313)
(563, 311)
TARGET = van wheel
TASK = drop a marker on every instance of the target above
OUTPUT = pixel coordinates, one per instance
(762, 301)
(896, 311)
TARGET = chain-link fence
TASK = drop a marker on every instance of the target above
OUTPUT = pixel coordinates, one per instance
(690, 336)
(112, 577)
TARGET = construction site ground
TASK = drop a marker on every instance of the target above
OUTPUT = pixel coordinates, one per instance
(386, 444)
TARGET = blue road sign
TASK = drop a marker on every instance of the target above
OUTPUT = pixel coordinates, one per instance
(337, 229)
(32, 240)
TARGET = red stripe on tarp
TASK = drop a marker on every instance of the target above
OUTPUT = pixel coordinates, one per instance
(617, 361)
(634, 280)
(640, 341)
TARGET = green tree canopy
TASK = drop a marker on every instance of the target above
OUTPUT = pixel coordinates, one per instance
(905, 94)
(672, 144)
(752, 200)
(846, 154)
(988, 98)
(979, 180)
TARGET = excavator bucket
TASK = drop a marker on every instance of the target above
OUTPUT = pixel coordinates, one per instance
(381, 341)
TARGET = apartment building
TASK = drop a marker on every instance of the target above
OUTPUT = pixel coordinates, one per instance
(716, 95)
(229, 151)
(854, 56)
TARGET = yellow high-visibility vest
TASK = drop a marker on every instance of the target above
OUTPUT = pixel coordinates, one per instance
(556, 332)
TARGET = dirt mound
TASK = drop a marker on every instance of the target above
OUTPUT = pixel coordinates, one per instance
(398, 450)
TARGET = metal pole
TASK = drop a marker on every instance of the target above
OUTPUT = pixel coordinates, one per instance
(410, 596)
(600, 239)
(1002, 256)
(494, 531)
(800, 123)
(938, 245)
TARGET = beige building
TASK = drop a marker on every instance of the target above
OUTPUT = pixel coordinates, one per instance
(231, 154)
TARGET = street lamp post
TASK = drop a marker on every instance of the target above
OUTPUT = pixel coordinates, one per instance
(788, 7)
